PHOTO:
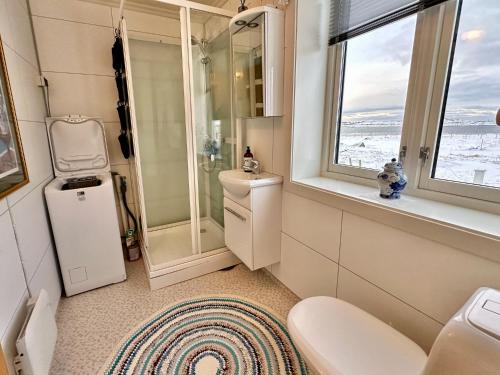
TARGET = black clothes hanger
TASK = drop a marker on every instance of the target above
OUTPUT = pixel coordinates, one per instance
(117, 52)
(125, 137)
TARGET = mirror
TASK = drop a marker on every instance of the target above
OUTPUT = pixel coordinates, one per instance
(248, 55)
(258, 46)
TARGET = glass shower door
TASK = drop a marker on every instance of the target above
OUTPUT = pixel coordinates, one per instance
(211, 92)
(182, 125)
(159, 100)
(157, 79)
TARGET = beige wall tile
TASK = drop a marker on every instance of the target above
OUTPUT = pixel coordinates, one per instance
(115, 153)
(73, 10)
(409, 321)
(148, 23)
(47, 277)
(21, 36)
(431, 277)
(24, 80)
(89, 95)
(4, 23)
(259, 136)
(304, 271)
(31, 223)
(11, 273)
(124, 170)
(8, 340)
(73, 47)
(314, 224)
(37, 155)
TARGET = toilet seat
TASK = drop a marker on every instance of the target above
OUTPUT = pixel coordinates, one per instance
(339, 338)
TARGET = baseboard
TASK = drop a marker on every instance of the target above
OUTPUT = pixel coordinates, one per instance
(210, 264)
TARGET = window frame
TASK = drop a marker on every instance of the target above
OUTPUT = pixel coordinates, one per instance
(430, 64)
(336, 66)
(440, 83)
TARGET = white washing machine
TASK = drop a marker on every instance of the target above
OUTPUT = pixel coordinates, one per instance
(81, 203)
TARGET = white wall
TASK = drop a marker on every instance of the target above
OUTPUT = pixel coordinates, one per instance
(74, 40)
(410, 282)
(310, 88)
(27, 258)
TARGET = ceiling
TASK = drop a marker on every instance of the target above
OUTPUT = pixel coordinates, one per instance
(156, 7)
(161, 9)
(214, 3)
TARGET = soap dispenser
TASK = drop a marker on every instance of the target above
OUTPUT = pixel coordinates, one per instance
(247, 160)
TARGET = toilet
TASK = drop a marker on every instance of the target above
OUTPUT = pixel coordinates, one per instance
(337, 338)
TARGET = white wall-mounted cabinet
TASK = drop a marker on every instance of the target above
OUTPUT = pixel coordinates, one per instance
(258, 47)
(253, 225)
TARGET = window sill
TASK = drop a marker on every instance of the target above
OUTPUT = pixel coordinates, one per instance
(479, 224)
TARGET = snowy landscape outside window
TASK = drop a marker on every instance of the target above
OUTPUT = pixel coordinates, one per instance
(425, 89)
(376, 72)
(468, 146)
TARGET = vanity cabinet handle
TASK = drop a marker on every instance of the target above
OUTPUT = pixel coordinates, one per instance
(230, 210)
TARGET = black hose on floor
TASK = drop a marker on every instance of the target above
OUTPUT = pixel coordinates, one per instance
(123, 190)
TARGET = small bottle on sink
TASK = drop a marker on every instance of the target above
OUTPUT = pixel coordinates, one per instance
(247, 160)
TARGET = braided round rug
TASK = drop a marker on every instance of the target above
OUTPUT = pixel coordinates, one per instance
(214, 335)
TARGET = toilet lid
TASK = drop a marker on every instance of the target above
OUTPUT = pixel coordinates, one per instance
(339, 338)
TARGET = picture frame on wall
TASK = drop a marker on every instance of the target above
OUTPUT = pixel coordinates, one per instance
(13, 172)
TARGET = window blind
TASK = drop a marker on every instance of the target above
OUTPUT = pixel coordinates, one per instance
(349, 18)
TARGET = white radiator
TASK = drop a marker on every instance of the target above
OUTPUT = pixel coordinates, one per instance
(37, 339)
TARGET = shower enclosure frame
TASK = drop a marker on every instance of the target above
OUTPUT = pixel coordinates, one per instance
(199, 263)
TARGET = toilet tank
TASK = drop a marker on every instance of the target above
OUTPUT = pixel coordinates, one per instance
(470, 342)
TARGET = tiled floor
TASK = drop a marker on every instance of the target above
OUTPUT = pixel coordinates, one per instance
(91, 324)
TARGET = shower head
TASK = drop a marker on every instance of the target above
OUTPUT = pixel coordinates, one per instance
(202, 46)
(194, 40)
(197, 42)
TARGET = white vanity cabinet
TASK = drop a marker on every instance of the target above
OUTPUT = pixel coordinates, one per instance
(253, 223)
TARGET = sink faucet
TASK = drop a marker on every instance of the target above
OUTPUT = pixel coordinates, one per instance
(255, 167)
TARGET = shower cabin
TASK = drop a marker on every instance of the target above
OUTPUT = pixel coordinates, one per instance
(182, 129)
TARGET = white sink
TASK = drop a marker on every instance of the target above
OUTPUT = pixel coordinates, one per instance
(239, 183)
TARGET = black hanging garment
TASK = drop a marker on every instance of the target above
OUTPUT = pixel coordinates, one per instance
(125, 138)
(121, 86)
(118, 56)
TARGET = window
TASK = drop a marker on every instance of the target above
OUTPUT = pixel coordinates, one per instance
(466, 142)
(425, 86)
(376, 69)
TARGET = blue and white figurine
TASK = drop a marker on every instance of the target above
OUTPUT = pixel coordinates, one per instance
(392, 180)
